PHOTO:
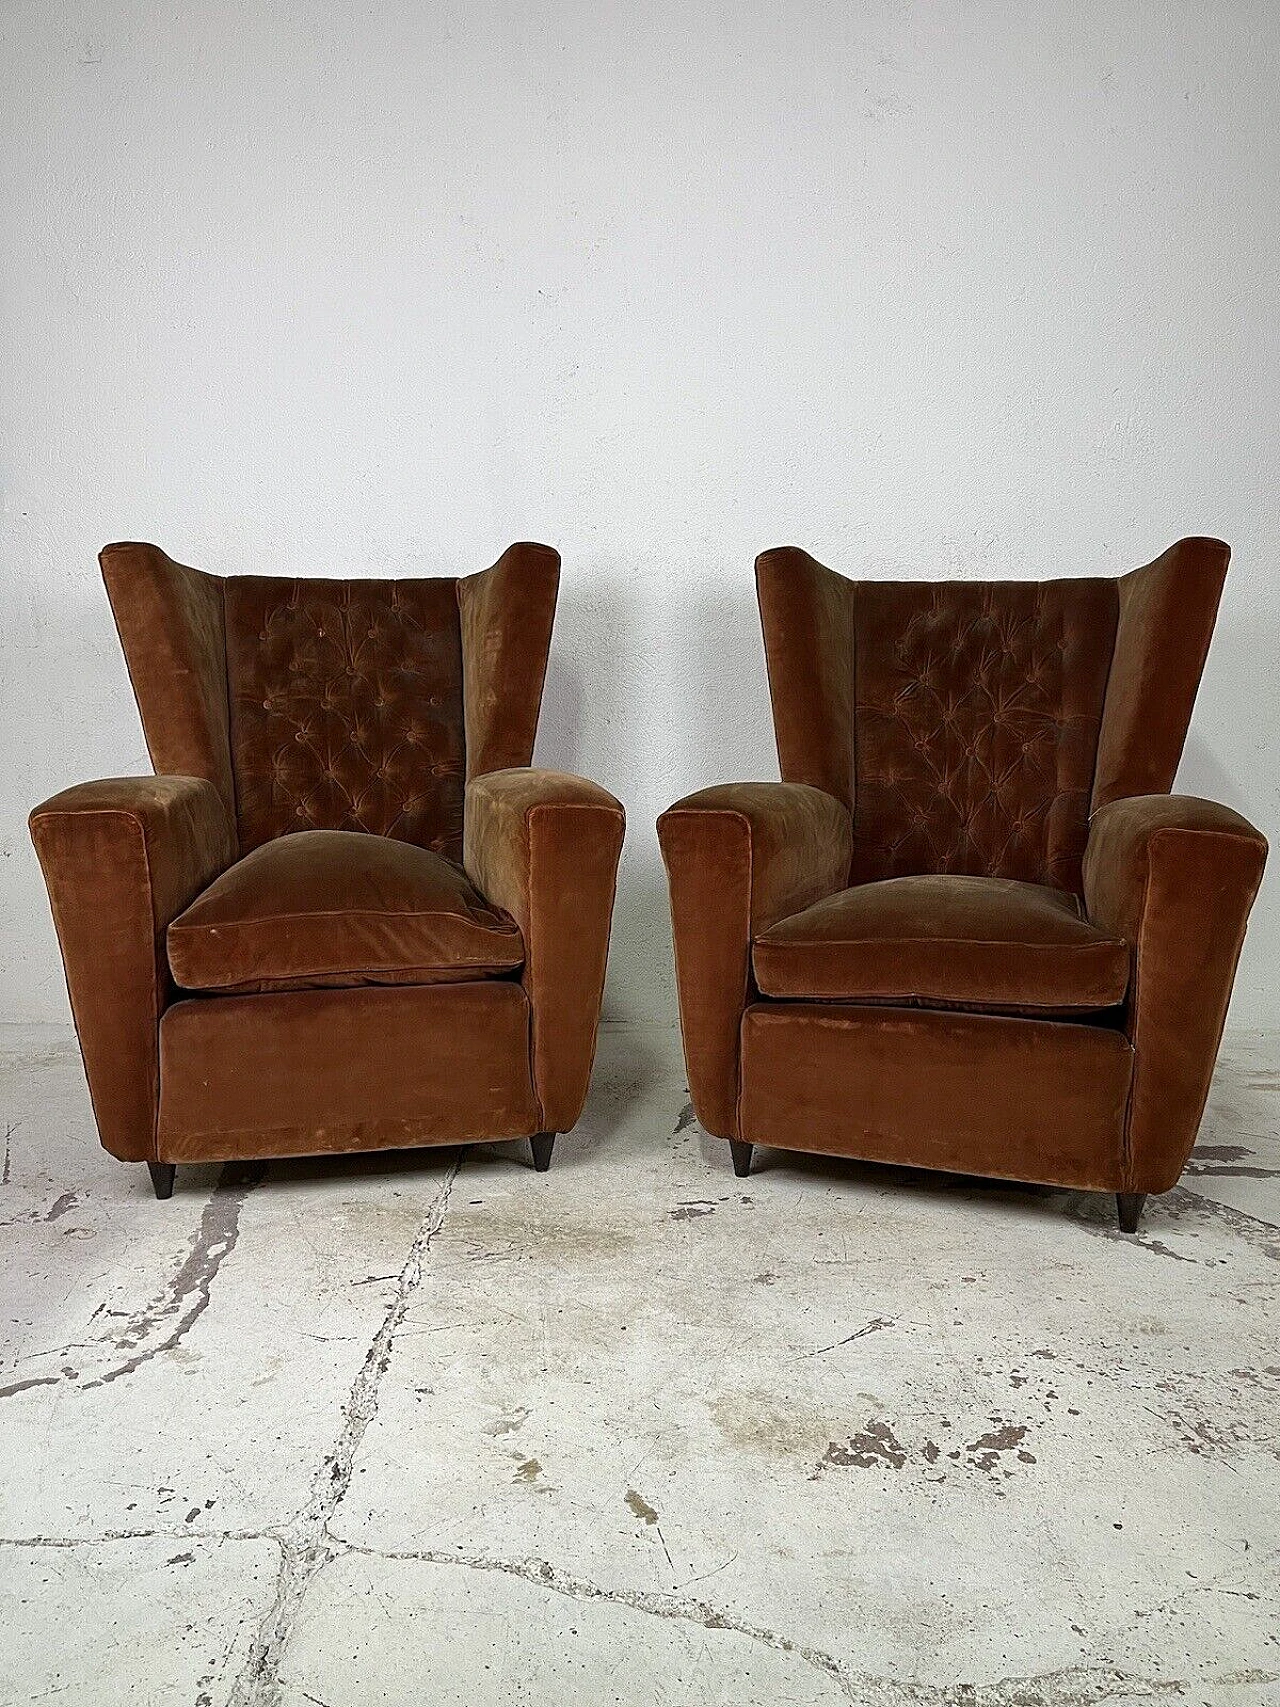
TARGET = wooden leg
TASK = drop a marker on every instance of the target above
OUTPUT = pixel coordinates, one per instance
(1129, 1204)
(541, 1144)
(741, 1158)
(162, 1178)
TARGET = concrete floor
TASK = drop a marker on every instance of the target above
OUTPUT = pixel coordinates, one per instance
(409, 1429)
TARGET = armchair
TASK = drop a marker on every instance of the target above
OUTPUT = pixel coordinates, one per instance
(345, 914)
(971, 929)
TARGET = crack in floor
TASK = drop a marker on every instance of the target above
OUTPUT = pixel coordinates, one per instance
(1070, 1686)
(305, 1542)
(184, 1296)
(1082, 1685)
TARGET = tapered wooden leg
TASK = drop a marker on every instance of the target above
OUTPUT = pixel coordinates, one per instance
(1129, 1204)
(542, 1144)
(741, 1158)
(162, 1178)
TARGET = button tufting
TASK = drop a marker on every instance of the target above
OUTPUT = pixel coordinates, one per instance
(410, 659)
(963, 701)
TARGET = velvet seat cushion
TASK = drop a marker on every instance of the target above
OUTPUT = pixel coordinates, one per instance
(329, 909)
(982, 943)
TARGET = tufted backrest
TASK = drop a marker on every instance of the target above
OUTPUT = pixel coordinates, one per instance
(977, 717)
(346, 709)
(973, 726)
(336, 705)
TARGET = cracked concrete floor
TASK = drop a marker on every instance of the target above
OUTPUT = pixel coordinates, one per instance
(432, 1427)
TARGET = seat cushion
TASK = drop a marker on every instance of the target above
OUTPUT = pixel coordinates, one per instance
(983, 943)
(327, 909)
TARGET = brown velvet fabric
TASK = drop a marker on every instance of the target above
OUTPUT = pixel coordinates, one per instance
(171, 626)
(346, 709)
(121, 859)
(1167, 613)
(971, 727)
(506, 615)
(983, 943)
(545, 848)
(978, 705)
(739, 857)
(331, 909)
(972, 1093)
(317, 1071)
(330, 713)
(807, 613)
(1176, 877)
(332, 704)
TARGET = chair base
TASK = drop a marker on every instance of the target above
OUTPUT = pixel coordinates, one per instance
(1129, 1206)
(162, 1177)
(542, 1144)
(741, 1154)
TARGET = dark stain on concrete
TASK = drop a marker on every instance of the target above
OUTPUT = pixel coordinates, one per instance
(985, 1451)
(184, 1298)
(684, 1120)
(693, 1210)
(875, 1447)
(1228, 1170)
(641, 1506)
(25, 1386)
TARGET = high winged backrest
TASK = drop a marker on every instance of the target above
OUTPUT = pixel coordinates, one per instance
(972, 727)
(336, 705)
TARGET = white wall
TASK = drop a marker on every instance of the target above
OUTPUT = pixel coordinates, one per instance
(939, 289)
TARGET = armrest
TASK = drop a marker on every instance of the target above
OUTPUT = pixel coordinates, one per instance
(545, 846)
(739, 857)
(1175, 877)
(121, 859)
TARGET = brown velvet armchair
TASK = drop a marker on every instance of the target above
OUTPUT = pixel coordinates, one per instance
(344, 914)
(971, 929)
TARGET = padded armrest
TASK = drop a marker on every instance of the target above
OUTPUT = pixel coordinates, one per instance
(545, 846)
(739, 857)
(121, 858)
(1176, 877)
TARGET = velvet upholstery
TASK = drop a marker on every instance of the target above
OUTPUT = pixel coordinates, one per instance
(1175, 877)
(544, 847)
(1166, 617)
(317, 1071)
(960, 1091)
(172, 627)
(303, 843)
(121, 860)
(346, 709)
(739, 857)
(506, 615)
(983, 943)
(998, 757)
(332, 908)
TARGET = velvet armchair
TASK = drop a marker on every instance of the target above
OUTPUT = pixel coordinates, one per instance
(971, 929)
(344, 914)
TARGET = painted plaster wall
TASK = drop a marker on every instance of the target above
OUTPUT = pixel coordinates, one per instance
(936, 289)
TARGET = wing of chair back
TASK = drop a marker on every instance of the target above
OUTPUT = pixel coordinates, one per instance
(543, 845)
(1173, 875)
(122, 858)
